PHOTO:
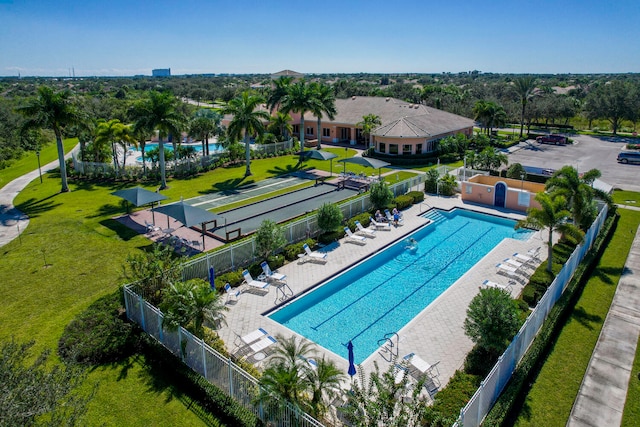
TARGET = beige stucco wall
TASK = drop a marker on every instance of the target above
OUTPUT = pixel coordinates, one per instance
(481, 189)
(428, 144)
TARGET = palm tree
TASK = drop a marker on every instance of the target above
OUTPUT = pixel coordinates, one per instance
(299, 98)
(323, 383)
(525, 88)
(552, 214)
(291, 352)
(55, 111)
(325, 103)
(368, 124)
(114, 133)
(489, 114)
(579, 193)
(279, 90)
(159, 112)
(203, 125)
(247, 120)
(280, 125)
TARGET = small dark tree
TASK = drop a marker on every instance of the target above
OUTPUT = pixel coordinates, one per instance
(31, 391)
(492, 320)
(380, 194)
(329, 217)
(431, 183)
(269, 238)
(516, 171)
(154, 271)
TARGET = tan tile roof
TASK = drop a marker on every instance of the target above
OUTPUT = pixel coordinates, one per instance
(286, 73)
(399, 118)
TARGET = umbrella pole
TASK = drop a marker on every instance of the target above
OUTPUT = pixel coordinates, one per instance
(203, 248)
(153, 215)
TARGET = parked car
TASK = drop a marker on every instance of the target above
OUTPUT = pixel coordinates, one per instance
(552, 139)
(629, 157)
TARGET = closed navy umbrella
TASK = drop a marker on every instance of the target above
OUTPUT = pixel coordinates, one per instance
(212, 278)
(352, 366)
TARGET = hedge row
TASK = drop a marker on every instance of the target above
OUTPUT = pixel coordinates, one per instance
(506, 407)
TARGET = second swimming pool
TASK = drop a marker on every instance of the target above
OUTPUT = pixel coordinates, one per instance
(383, 293)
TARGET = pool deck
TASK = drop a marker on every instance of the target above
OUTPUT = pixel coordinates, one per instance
(436, 334)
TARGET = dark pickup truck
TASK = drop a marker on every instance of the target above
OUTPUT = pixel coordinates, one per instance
(552, 139)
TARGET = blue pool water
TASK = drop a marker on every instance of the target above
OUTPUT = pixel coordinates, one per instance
(169, 146)
(383, 293)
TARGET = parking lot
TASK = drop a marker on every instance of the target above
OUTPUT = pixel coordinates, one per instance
(587, 152)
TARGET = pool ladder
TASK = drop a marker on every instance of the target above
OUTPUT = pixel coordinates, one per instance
(389, 346)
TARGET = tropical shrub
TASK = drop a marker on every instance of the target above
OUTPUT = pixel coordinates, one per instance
(363, 218)
(329, 217)
(403, 201)
(380, 194)
(269, 238)
(417, 196)
(100, 334)
(431, 183)
(447, 185)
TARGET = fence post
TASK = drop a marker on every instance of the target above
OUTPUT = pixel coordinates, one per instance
(231, 393)
(144, 323)
(204, 359)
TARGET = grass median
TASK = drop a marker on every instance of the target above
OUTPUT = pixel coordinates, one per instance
(554, 390)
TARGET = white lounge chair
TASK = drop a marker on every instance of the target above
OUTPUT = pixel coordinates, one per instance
(272, 275)
(365, 231)
(353, 238)
(231, 292)
(508, 287)
(513, 263)
(422, 366)
(262, 344)
(254, 284)
(507, 270)
(313, 255)
(380, 225)
(150, 227)
(250, 337)
(534, 253)
(525, 259)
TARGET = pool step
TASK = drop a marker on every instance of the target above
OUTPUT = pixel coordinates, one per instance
(435, 216)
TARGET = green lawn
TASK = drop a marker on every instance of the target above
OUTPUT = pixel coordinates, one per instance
(551, 397)
(623, 197)
(631, 413)
(29, 162)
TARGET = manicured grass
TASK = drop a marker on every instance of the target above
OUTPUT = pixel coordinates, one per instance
(553, 393)
(623, 197)
(631, 413)
(29, 162)
(71, 254)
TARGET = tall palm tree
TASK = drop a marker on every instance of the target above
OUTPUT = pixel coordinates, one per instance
(300, 98)
(325, 103)
(279, 90)
(579, 193)
(206, 124)
(247, 120)
(525, 88)
(553, 215)
(159, 112)
(489, 114)
(368, 124)
(55, 111)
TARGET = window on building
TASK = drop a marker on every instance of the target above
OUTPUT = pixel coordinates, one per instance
(296, 128)
(393, 148)
(326, 132)
(382, 147)
(309, 131)
(469, 189)
(419, 148)
(406, 149)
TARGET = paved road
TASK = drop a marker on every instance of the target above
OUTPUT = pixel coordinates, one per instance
(586, 153)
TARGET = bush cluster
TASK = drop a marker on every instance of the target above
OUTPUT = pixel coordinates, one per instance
(100, 334)
(417, 196)
(403, 201)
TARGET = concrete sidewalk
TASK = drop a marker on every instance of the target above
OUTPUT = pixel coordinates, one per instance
(12, 221)
(603, 392)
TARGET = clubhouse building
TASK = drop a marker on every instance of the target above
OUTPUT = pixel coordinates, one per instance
(406, 128)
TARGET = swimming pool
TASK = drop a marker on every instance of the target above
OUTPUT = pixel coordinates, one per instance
(383, 293)
(169, 146)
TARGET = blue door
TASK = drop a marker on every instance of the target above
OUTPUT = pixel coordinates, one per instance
(500, 194)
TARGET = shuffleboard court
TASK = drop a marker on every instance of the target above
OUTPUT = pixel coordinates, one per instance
(281, 208)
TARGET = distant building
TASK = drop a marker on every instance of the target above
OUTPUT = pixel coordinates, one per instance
(287, 73)
(161, 72)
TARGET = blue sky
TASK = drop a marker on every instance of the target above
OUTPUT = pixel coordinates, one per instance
(128, 37)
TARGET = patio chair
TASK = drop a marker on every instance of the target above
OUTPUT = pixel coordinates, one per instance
(394, 218)
(380, 225)
(272, 275)
(525, 259)
(420, 365)
(508, 270)
(260, 347)
(365, 231)
(508, 287)
(512, 262)
(313, 256)
(350, 237)
(255, 284)
(534, 253)
(231, 292)
(250, 337)
(151, 228)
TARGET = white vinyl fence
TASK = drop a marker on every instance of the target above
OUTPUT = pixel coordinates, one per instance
(217, 369)
(489, 391)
